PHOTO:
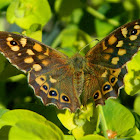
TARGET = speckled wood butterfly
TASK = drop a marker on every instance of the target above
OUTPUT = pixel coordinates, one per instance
(61, 80)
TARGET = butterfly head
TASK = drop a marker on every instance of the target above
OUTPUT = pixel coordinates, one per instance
(78, 62)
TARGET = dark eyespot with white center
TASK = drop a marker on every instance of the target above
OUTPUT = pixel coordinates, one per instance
(96, 95)
(52, 93)
(106, 87)
(133, 32)
(13, 43)
(112, 79)
(65, 98)
(45, 87)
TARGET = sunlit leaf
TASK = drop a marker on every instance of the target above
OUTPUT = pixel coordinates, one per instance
(27, 12)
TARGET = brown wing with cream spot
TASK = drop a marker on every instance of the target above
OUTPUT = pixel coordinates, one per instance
(27, 53)
(49, 72)
(107, 62)
(104, 83)
(117, 48)
(56, 87)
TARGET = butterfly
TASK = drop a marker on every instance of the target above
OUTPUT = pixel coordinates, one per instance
(70, 82)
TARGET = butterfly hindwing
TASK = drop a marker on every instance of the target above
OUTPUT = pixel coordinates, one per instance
(56, 87)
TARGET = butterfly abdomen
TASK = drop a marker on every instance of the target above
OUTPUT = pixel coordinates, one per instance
(78, 81)
(78, 64)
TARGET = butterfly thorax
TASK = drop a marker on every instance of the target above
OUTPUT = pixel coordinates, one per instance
(78, 64)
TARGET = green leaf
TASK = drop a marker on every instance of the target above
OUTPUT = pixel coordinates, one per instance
(82, 122)
(2, 111)
(93, 137)
(137, 105)
(136, 137)
(137, 119)
(2, 62)
(27, 12)
(35, 32)
(72, 40)
(66, 118)
(27, 122)
(28, 129)
(4, 3)
(103, 28)
(65, 8)
(118, 118)
(132, 79)
(68, 137)
(11, 118)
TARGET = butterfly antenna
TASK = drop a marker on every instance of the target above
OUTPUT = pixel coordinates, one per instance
(88, 44)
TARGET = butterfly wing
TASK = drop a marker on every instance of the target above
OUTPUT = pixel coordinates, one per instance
(107, 61)
(50, 75)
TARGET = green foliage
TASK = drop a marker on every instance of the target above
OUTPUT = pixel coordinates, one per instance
(25, 124)
(68, 26)
(28, 12)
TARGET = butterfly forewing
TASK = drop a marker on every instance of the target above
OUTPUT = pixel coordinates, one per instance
(27, 53)
(117, 48)
(108, 58)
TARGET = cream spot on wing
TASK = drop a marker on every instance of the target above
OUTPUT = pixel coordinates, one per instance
(121, 52)
(115, 60)
(104, 46)
(133, 37)
(107, 56)
(9, 39)
(23, 41)
(37, 67)
(45, 62)
(47, 52)
(124, 31)
(28, 60)
(19, 54)
(52, 80)
(30, 52)
(37, 47)
(109, 50)
(15, 48)
(120, 43)
(137, 27)
(104, 74)
(112, 40)
(41, 57)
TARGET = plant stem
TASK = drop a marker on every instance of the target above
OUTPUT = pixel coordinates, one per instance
(103, 122)
(101, 16)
